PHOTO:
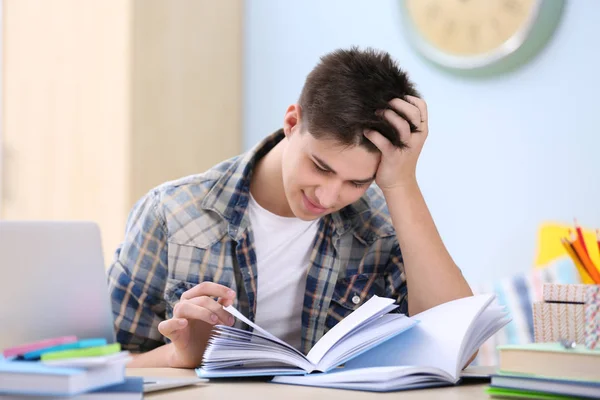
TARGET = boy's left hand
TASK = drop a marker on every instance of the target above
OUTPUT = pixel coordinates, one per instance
(398, 166)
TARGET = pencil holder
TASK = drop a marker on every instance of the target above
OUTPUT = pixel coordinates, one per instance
(570, 312)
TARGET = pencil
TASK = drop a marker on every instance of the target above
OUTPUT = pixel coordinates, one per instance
(585, 277)
(586, 261)
(580, 237)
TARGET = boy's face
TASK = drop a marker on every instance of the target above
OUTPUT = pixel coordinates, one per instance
(320, 176)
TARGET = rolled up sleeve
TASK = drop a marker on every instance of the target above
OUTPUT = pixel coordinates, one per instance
(395, 279)
(137, 277)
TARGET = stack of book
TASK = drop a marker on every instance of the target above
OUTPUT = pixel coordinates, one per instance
(547, 371)
(67, 367)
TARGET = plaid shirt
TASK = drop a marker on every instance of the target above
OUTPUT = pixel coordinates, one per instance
(197, 229)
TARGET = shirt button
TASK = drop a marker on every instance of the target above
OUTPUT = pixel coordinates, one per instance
(356, 299)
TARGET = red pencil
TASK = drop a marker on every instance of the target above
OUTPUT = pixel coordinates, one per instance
(587, 262)
(580, 236)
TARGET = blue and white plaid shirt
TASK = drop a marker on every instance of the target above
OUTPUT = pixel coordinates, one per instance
(196, 229)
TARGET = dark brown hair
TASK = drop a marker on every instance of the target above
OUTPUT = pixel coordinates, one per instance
(343, 92)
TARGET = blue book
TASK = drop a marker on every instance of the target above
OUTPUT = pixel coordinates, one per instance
(80, 344)
(35, 378)
(131, 389)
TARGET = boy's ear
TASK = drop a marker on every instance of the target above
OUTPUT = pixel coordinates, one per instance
(292, 119)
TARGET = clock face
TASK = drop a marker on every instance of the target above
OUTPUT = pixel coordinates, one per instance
(466, 28)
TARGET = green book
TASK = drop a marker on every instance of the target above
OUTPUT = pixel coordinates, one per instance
(550, 360)
(86, 352)
(524, 394)
(552, 347)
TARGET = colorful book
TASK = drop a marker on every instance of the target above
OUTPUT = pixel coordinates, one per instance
(85, 352)
(80, 344)
(42, 344)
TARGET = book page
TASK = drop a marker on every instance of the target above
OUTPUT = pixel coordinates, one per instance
(231, 349)
(436, 341)
(489, 322)
(361, 340)
(375, 306)
(231, 310)
(379, 379)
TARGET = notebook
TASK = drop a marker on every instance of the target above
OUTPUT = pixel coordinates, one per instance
(551, 360)
(433, 352)
(97, 351)
(89, 362)
(235, 352)
(538, 386)
(38, 345)
(80, 344)
(131, 389)
(35, 378)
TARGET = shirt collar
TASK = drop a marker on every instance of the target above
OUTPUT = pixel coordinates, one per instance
(230, 195)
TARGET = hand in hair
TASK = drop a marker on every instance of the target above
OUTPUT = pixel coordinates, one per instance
(398, 165)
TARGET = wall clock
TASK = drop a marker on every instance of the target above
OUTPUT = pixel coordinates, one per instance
(480, 37)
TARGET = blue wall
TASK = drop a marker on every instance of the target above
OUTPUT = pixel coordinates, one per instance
(503, 154)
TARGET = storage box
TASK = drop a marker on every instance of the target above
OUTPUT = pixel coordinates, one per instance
(569, 312)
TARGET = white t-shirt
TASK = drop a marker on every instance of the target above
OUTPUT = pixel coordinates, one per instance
(283, 246)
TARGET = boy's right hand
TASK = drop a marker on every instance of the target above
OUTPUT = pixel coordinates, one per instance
(193, 318)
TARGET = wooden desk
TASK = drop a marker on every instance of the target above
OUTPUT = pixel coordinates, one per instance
(263, 390)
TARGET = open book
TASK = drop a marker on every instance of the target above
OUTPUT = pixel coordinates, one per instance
(432, 353)
(235, 352)
(380, 350)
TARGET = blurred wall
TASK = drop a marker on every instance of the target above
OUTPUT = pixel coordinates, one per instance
(504, 154)
(186, 80)
(102, 100)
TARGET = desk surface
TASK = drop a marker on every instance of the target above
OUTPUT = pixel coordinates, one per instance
(263, 390)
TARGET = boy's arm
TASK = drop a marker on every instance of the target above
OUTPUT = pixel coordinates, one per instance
(432, 277)
(137, 278)
(431, 274)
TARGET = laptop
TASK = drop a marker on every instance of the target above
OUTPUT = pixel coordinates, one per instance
(53, 283)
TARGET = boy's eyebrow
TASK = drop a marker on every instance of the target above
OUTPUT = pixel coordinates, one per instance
(324, 165)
